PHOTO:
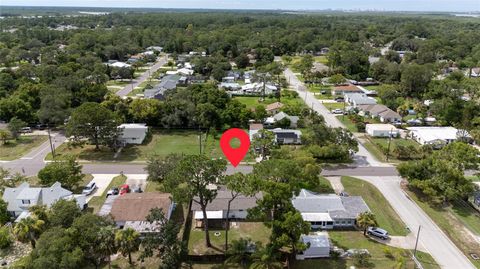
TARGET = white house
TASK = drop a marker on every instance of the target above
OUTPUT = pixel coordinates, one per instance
(132, 133)
(270, 121)
(318, 246)
(217, 209)
(381, 130)
(119, 65)
(21, 198)
(436, 136)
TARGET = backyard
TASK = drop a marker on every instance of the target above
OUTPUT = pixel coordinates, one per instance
(15, 149)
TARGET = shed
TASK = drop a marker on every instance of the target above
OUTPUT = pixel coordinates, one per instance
(318, 246)
(381, 130)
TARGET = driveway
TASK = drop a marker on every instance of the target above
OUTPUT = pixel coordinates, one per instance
(107, 206)
(431, 239)
(102, 181)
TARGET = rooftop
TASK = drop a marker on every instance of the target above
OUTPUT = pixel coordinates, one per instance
(380, 127)
(223, 196)
(137, 206)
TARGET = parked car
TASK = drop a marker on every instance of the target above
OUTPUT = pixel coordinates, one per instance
(137, 189)
(337, 111)
(41, 126)
(26, 130)
(124, 189)
(87, 190)
(378, 232)
(113, 191)
(339, 99)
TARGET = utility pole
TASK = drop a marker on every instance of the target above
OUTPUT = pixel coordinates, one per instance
(343, 114)
(416, 242)
(389, 142)
(51, 144)
(200, 141)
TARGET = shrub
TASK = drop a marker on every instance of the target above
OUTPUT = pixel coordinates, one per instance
(5, 237)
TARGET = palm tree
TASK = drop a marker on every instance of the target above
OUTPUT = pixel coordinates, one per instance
(238, 252)
(28, 230)
(265, 259)
(365, 220)
(128, 241)
(106, 242)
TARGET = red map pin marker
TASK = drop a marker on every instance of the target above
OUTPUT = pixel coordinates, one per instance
(235, 155)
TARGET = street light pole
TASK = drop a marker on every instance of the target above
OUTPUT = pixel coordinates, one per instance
(389, 142)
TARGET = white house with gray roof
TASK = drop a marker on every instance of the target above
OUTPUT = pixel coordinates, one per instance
(21, 198)
(329, 211)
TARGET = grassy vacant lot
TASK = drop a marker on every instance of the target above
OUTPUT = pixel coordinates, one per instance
(116, 85)
(15, 149)
(350, 125)
(332, 106)
(375, 145)
(257, 231)
(97, 201)
(161, 143)
(387, 218)
(253, 101)
(453, 220)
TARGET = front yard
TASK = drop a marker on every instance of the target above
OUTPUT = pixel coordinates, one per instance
(14, 149)
(387, 218)
(254, 101)
(161, 143)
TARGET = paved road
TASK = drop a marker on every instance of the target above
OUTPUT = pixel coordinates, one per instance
(31, 163)
(128, 88)
(362, 157)
(432, 237)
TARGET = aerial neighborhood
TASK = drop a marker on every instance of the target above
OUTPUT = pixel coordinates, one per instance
(359, 132)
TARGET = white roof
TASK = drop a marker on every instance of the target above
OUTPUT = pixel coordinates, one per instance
(319, 240)
(316, 217)
(428, 134)
(381, 127)
(119, 64)
(133, 126)
(210, 214)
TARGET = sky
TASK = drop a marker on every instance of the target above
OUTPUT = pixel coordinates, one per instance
(384, 5)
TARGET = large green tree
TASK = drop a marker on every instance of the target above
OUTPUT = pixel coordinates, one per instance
(95, 122)
(128, 241)
(67, 171)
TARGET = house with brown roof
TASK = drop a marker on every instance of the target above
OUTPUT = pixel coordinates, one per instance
(274, 108)
(217, 209)
(341, 90)
(130, 210)
(383, 113)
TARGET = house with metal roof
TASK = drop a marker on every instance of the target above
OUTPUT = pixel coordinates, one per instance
(329, 211)
(168, 82)
(271, 121)
(318, 246)
(356, 99)
(217, 209)
(437, 136)
(21, 198)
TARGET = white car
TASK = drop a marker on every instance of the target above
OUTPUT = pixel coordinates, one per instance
(337, 111)
(87, 190)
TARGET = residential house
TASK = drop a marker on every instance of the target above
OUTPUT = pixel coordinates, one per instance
(437, 136)
(185, 71)
(217, 209)
(329, 211)
(230, 86)
(228, 79)
(132, 133)
(381, 130)
(274, 108)
(318, 246)
(197, 79)
(475, 72)
(341, 90)
(21, 198)
(130, 210)
(271, 121)
(357, 99)
(282, 136)
(381, 112)
(117, 64)
(257, 89)
(155, 48)
(168, 82)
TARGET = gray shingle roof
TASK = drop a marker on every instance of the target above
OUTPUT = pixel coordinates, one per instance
(221, 202)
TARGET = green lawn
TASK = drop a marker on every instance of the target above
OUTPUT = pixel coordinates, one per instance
(256, 231)
(387, 218)
(253, 101)
(332, 106)
(97, 201)
(377, 145)
(452, 220)
(15, 149)
(348, 123)
(161, 143)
